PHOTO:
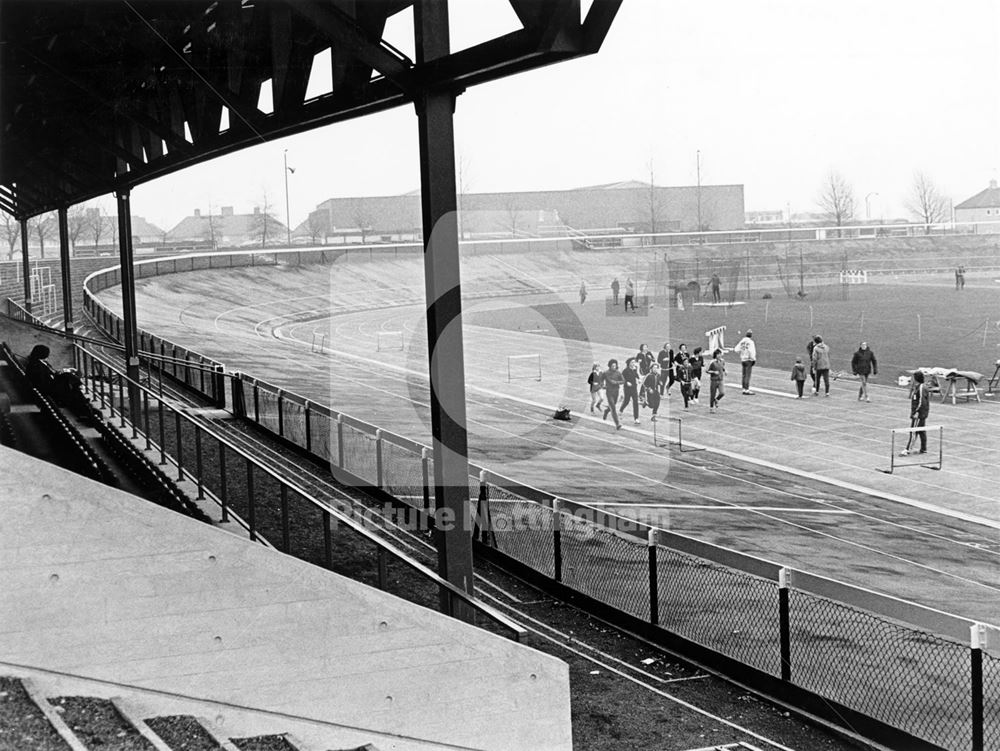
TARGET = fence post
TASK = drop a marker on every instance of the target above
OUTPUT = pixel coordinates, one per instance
(977, 643)
(481, 523)
(307, 416)
(557, 539)
(379, 469)
(198, 462)
(223, 482)
(654, 586)
(785, 636)
(220, 386)
(252, 503)
(281, 414)
(180, 445)
(425, 468)
(285, 545)
(340, 440)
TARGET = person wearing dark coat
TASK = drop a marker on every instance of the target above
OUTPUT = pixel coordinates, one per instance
(864, 365)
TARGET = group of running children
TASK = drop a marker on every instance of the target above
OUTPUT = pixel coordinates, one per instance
(646, 378)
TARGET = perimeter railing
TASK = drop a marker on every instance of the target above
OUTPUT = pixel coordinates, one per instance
(905, 675)
(911, 676)
(246, 490)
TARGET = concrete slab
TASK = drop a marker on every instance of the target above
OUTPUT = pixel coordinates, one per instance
(125, 592)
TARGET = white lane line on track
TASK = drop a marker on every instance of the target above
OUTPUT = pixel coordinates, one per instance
(277, 333)
(695, 507)
(591, 460)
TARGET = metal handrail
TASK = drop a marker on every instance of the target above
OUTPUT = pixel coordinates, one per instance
(488, 611)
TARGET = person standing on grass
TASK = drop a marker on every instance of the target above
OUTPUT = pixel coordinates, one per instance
(821, 364)
(697, 363)
(629, 295)
(612, 389)
(631, 377)
(716, 374)
(863, 365)
(799, 375)
(665, 359)
(715, 284)
(748, 356)
(920, 407)
(615, 287)
(812, 369)
(583, 292)
(651, 388)
(595, 382)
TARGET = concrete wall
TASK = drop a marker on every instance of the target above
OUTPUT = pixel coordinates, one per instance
(100, 584)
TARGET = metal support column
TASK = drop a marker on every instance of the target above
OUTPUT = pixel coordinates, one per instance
(435, 110)
(130, 335)
(25, 265)
(67, 282)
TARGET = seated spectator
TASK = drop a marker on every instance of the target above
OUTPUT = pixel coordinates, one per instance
(64, 386)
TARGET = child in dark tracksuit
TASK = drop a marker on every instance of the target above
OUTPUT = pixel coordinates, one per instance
(651, 387)
(683, 376)
(799, 375)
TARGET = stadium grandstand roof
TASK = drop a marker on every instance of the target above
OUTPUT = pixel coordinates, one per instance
(101, 96)
(984, 199)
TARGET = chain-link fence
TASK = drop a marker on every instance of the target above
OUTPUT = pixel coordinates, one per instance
(605, 565)
(991, 701)
(522, 530)
(720, 608)
(907, 678)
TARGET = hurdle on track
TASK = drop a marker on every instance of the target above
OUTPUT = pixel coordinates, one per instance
(667, 439)
(388, 340)
(318, 342)
(525, 366)
(924, 460)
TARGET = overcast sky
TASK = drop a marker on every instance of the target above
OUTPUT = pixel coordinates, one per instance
(774, 94)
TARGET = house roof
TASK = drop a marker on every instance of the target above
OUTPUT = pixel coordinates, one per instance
(984, 199)
(232, 226)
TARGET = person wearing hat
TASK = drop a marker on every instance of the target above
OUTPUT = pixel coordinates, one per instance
(748, 356)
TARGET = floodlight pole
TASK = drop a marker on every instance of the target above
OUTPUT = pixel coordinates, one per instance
(868, 206)
(697, 155)
(446, 358)
(288, 219)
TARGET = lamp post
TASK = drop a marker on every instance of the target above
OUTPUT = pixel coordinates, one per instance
(288, 220)
(868, 207)
(697, 156)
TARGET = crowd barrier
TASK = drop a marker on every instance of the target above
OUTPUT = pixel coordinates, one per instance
(902, 674)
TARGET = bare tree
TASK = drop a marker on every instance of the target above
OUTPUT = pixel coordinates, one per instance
(317, 225)
(94, 224)
(76, 223)
(210, 226)
(44, 228)
(361, 215)
(836, 198)
(110, 223)
(263, 224)
(12, 233)
(926, 202)
(513, 213)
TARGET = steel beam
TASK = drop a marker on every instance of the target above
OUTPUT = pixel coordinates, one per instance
(442, 282)
(67, 282)
(130, 334)
(25, 265)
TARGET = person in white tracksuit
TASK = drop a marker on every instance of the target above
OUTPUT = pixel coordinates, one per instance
(748, 356)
